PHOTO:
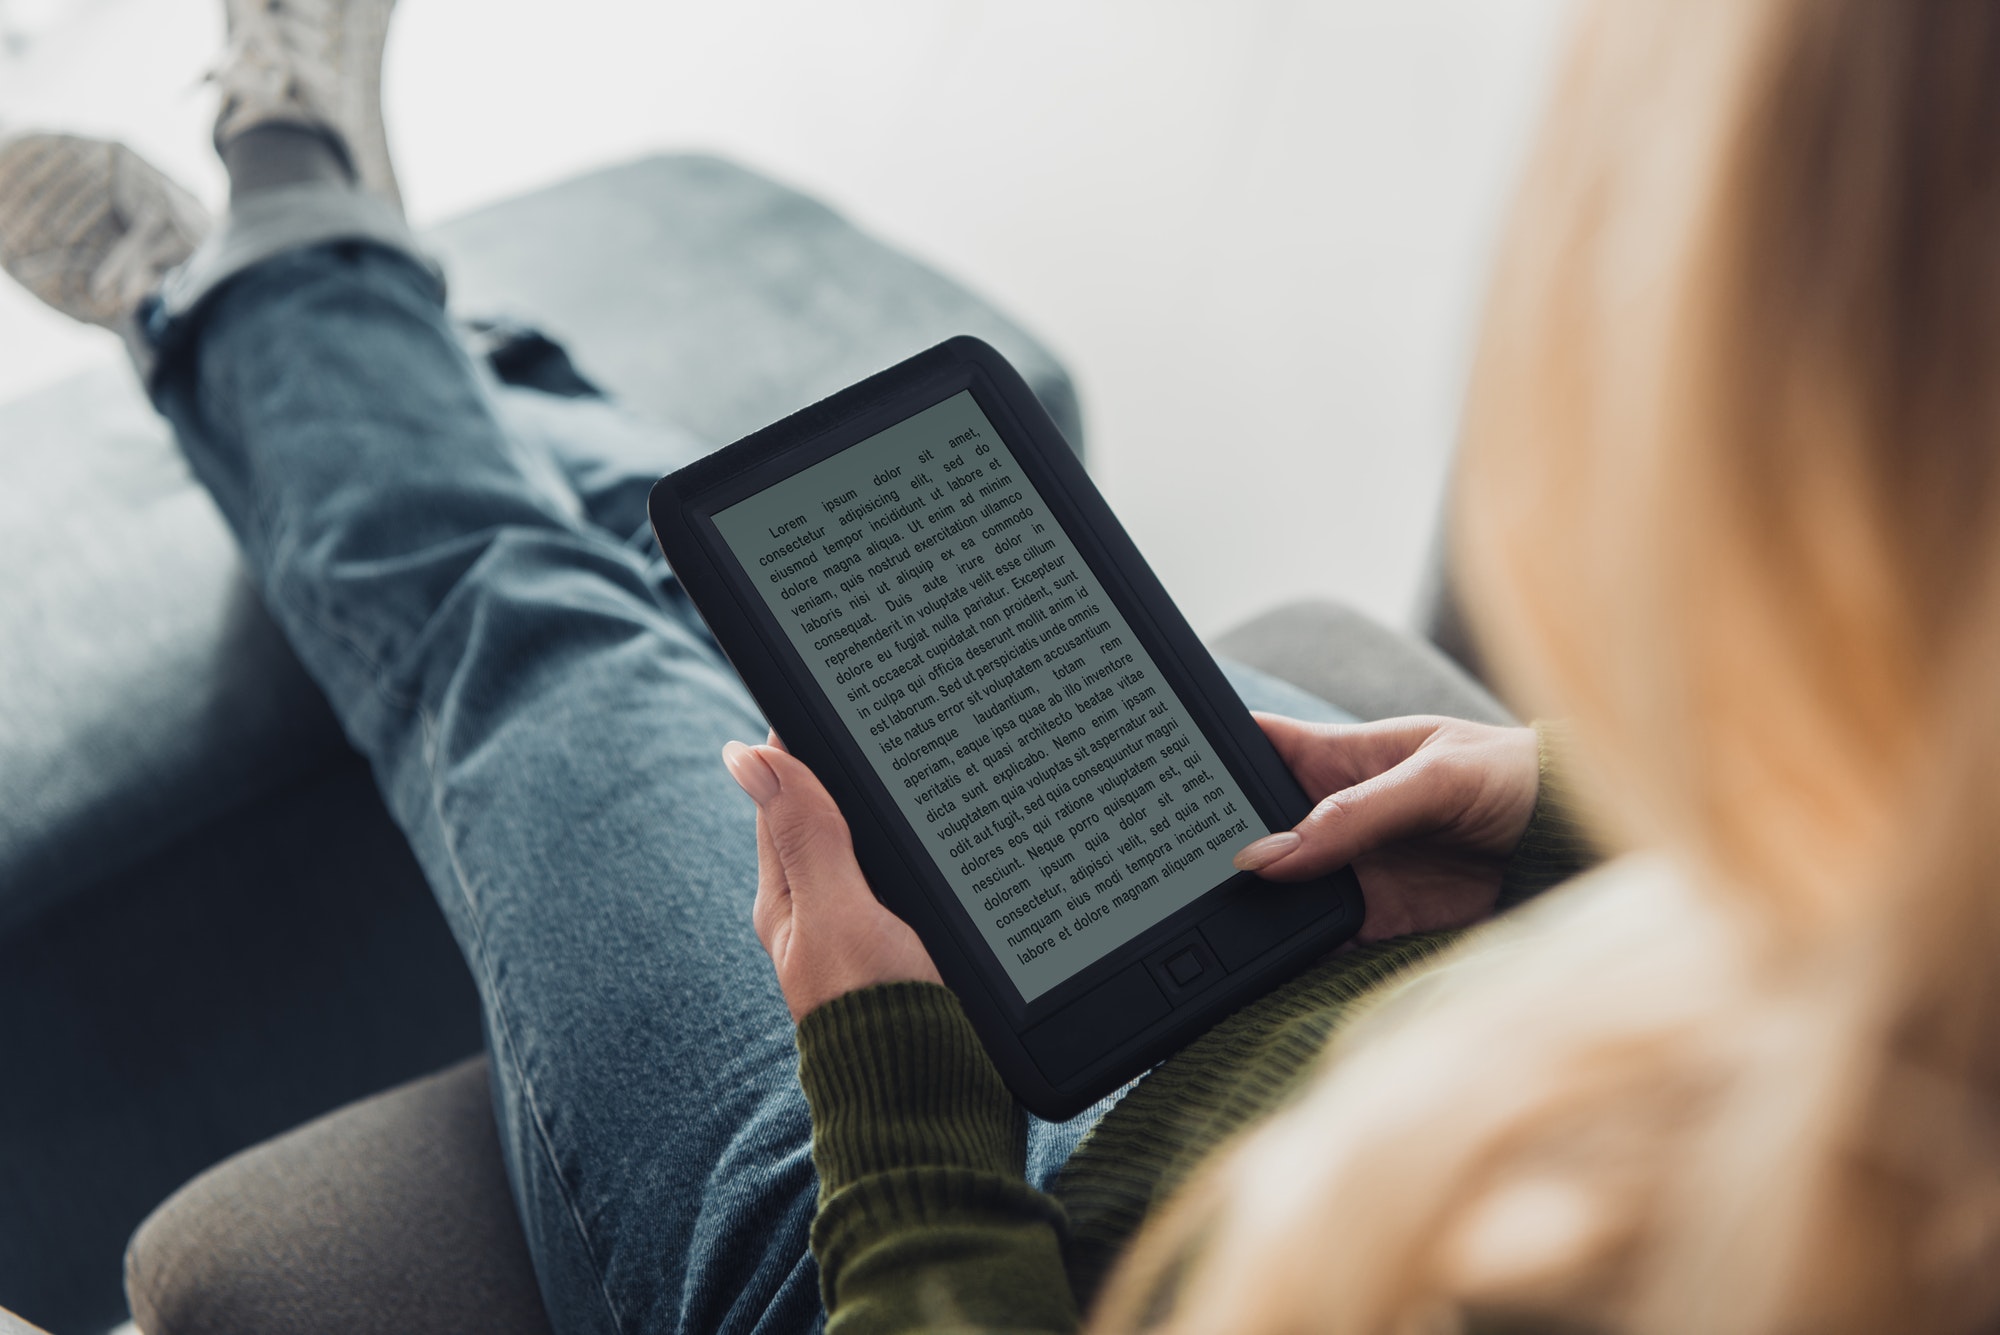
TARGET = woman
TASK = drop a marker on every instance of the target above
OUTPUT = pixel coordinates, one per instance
(466, 572)
(1732, 502)
(1726, 504)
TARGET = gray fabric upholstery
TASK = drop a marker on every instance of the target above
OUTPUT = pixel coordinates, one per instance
(147, 692)
(1441, 611)
(1354, 661)
(285, 960)
(390, 1216)
(336, 1227)
(706, 295)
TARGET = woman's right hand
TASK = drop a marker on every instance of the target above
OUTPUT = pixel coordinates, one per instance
(826, 933)
(1428, 811)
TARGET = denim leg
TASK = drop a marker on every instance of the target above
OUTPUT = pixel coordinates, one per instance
(607, 458)
(545, 729)
(544, 724)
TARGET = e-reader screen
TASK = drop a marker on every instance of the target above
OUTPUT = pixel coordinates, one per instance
(1027, 736)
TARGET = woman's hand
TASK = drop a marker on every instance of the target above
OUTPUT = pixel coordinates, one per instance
(1427, 809)
(823, 927)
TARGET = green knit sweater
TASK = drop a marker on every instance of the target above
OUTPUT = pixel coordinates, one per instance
(926, 1220)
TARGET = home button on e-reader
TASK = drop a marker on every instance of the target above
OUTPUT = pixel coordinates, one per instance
(1185, 966)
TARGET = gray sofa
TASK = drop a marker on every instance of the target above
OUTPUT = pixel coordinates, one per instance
(209, 930)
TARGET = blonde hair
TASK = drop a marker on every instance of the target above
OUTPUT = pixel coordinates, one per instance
(1731, 502)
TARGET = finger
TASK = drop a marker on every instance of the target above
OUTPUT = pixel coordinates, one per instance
(752, 774)
(810, 836)
(772, 907)
(1422, 794)
(771, 914)
(1327, 757)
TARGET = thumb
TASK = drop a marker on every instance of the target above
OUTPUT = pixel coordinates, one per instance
(808, 833)
(1412, 798)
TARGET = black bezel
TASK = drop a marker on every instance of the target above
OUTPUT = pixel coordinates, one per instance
(890, 852)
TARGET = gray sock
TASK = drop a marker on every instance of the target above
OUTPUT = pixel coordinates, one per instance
(266, 157)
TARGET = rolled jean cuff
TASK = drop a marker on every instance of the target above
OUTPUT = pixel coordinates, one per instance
(270, 223)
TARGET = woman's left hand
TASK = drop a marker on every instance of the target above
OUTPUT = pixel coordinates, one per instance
(822, 926)
(1427, 810)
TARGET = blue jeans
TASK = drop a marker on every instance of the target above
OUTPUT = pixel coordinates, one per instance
(466, 573)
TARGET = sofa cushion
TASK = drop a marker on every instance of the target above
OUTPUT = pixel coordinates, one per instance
(391, 1215)
(1345, 656)
(145, 691)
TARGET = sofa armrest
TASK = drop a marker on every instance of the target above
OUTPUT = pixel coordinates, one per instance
(390, 1215)
(1349, 659)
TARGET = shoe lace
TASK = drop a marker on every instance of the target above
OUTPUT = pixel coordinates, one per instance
(280, 50)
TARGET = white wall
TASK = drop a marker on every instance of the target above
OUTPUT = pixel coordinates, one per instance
(1256, 229)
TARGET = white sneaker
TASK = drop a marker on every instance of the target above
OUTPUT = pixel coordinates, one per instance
(89, 226)
(310, 62)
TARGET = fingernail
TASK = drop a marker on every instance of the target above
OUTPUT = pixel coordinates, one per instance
(751, 772)
(1267, 850)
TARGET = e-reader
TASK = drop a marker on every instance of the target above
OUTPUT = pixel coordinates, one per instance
(1045, 773)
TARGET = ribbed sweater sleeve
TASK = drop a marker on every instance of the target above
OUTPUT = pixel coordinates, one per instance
(925, 1219)
(1555, 845)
